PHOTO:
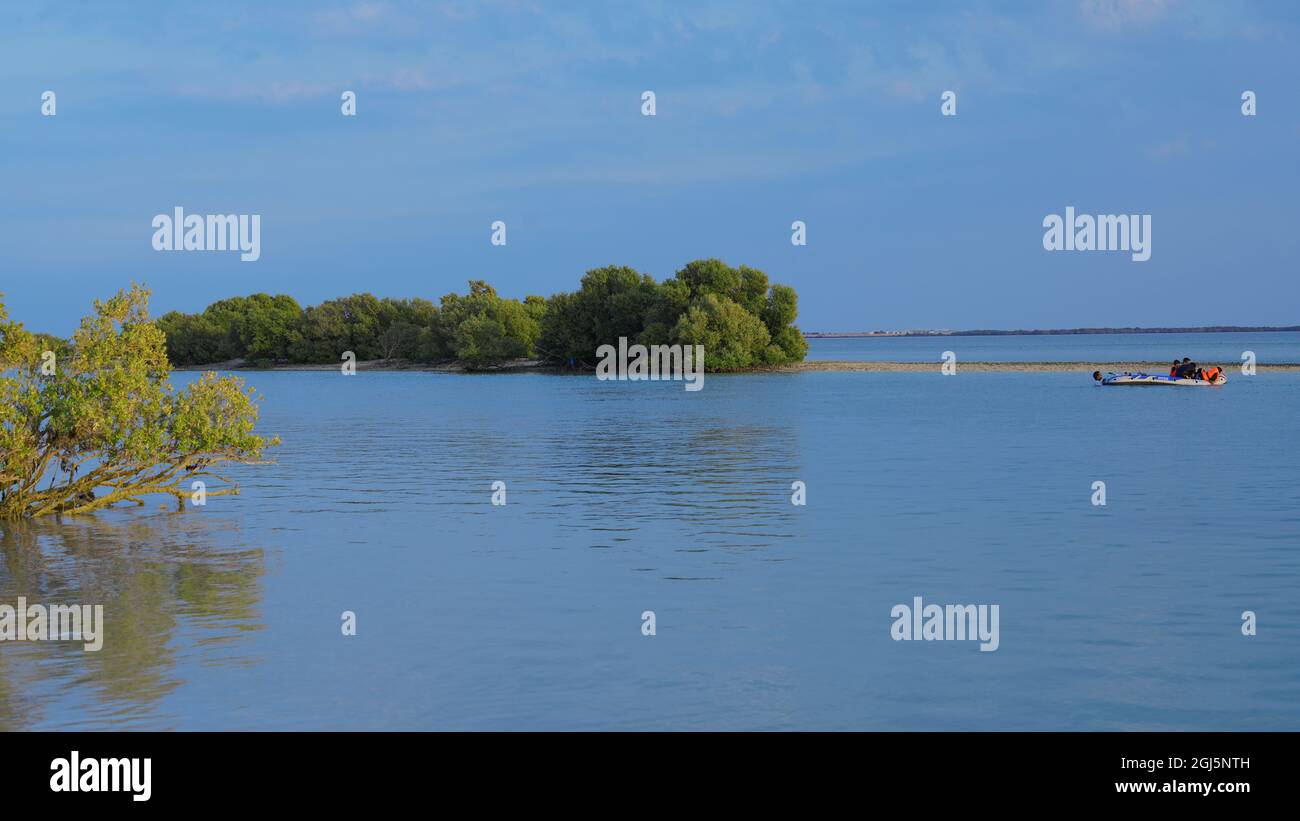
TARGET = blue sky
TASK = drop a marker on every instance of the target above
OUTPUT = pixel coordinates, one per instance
(530, 112)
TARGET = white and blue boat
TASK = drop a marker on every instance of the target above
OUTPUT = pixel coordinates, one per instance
(1157, 379)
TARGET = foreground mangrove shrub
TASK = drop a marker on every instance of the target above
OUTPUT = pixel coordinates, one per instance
(96, 422)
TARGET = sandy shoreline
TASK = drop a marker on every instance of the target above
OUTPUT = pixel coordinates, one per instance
(823, 365)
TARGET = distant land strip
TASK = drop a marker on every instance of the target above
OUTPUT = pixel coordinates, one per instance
(1008, 367)
(1208, 329)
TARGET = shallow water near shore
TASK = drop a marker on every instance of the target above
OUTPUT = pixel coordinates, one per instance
(628, 497)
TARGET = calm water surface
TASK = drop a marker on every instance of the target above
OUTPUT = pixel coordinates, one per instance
(631, 497)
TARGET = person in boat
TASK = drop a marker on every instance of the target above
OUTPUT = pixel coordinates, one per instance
(1185, 369)
(1209, 374)
(1173, 369)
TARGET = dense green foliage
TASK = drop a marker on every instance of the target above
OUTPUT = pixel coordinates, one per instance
(742, 320)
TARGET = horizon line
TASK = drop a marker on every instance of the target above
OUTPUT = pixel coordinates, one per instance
(1204, 329)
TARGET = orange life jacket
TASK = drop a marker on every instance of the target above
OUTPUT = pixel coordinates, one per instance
(1210, 374)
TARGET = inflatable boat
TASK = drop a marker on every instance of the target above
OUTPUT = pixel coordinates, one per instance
(1157, 379)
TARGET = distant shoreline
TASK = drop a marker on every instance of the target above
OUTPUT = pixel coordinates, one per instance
(1003, 367)
(809, 366)
(1209, 329)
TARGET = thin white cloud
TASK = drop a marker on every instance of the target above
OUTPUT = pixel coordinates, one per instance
(275, 91)
(1180, 146)
(1118, 14)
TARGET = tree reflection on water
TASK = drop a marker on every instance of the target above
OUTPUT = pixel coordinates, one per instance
(172, 586)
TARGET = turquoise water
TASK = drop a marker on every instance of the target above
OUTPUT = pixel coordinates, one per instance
(628, 497)
(1223, 349)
